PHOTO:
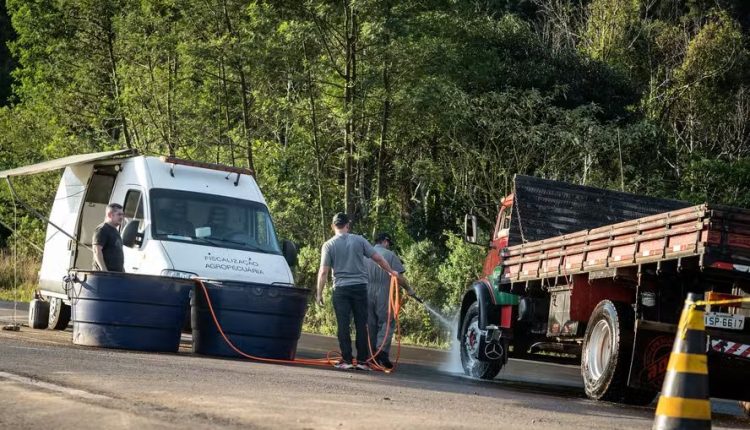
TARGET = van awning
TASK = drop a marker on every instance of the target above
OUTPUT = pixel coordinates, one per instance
(60, 163)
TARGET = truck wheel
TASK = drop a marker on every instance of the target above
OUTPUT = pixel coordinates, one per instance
(38, 314)
(59, 314)
(605, 360)
(470, 348)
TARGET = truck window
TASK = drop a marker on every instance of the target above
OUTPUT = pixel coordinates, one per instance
(503, 222)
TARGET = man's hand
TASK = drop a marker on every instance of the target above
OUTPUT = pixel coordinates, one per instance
(322, 277)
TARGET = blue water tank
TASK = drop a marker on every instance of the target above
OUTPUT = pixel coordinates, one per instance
(260, 320)
(129, 311)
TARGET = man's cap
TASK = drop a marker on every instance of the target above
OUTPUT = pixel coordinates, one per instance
(340, 219)
(381, 237)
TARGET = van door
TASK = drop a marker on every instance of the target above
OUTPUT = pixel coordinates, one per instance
(93, 213)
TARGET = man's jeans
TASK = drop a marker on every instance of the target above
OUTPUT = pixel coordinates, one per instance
(348, 300)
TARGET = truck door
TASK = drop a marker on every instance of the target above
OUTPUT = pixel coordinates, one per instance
(499, 238)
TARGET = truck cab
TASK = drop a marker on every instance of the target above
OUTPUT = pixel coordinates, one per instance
(499, 239)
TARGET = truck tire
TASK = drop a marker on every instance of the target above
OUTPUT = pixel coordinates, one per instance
(469, 339)
(59, 314)
(606, 354)
(38, 314)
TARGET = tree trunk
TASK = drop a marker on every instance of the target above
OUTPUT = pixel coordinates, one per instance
(171, 78)
(316, 145)
(227, 120)
(380, 174)
(116, 83)
(381, 185)
(244, 90)
(350, 75)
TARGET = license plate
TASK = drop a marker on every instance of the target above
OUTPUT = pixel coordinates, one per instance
(726, 321)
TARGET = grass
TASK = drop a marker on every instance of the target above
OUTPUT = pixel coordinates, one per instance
(18, 284)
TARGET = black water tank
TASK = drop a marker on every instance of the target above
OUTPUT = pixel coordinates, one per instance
(261, 320)
(128, 311)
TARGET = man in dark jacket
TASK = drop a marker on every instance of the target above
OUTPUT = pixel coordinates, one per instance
(108, 255)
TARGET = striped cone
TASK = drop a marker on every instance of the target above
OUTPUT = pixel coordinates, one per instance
(684, 403)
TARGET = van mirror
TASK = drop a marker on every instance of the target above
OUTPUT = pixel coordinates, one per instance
(289, 249)
(130, 235)
(470, 228)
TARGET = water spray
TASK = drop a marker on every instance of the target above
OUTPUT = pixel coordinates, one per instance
(443, 320)
(453, 362)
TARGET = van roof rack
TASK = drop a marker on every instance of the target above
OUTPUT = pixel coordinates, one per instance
(212, 166)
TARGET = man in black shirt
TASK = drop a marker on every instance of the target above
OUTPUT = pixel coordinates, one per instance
(108, 254)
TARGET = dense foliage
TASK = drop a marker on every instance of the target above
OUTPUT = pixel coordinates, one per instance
(404, 114)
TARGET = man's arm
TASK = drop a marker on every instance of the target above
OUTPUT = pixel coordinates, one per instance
(99, 257)
(404, 283)
(398, 266)
(322, 278)
(376, 257)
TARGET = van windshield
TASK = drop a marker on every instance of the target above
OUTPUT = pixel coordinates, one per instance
(185, 216)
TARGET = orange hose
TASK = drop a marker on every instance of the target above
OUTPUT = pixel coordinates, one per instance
(394, 306)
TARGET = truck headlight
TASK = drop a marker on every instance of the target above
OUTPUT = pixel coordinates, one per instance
(178, 274)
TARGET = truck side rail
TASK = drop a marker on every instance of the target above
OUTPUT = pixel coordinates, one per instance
(687, 232)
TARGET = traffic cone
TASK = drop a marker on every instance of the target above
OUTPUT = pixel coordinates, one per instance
(684, 403)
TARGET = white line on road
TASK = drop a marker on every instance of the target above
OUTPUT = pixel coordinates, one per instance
(53, 387)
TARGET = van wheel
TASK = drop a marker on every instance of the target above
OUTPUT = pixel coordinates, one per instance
(470, 348)
(605, 360)
(38, 314)
(59, 314)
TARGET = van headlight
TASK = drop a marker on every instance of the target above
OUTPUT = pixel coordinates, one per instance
(178, 274)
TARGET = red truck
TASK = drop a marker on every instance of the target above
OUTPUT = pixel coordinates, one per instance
(600, 275)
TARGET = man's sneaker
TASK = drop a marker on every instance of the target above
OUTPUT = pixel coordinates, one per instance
(385, 363)
(362, 366)
(343, 365)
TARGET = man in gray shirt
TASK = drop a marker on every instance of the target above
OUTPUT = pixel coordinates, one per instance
(378, 299)
(344, 253)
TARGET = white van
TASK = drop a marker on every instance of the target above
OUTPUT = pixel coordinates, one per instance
(182, 219)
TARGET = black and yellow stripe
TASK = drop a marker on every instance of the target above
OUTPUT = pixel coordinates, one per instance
(684, 402)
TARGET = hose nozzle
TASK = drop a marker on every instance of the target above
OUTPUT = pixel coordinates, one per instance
(417, 298)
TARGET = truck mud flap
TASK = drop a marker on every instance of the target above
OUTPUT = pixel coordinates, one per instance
(651, 349)
(728, 373)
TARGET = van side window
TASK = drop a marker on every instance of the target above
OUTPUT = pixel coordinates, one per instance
(133, 208)
(100, 188)
(261, 225)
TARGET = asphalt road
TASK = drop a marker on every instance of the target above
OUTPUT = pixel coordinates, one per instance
(45, 380)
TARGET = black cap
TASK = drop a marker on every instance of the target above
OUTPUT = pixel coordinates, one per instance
(340, 219)
(381, 237)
